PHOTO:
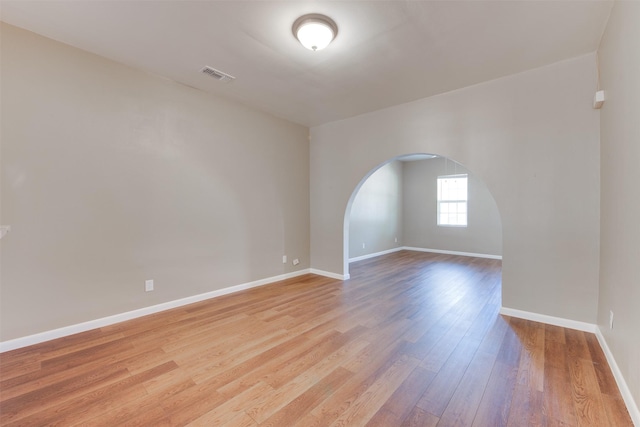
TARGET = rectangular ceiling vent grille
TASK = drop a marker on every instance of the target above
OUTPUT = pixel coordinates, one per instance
(217, 74)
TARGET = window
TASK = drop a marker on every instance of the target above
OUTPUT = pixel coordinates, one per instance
(452, 200)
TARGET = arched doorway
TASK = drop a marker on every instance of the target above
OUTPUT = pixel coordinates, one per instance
(424, 217)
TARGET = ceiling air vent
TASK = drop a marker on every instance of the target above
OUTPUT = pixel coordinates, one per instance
(217, 74)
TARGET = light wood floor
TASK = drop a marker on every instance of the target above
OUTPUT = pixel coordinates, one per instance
(413, 339)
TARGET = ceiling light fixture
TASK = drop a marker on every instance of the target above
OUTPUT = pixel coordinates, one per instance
(315, 31)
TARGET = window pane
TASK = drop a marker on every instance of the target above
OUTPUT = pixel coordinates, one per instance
(452, 200)
(445, 190)
(452, 188)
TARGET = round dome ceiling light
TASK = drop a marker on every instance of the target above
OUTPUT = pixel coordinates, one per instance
(315, 31)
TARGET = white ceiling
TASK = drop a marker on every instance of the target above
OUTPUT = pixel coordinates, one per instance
(386, 52)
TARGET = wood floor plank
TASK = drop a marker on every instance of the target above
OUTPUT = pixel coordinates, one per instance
(617, 413)
(437, 396)
(168, 384)
(577, 347)
(191, 403)
(123, 412)
(80, 345)
(231, 408)
(286, 393)
(420, 418)
(587, 398)
(526, 407)
(80, 407)
(368, 403)
(606, 381)
(17, 365)
(155, 417)
(462, 407)
(54, 394)
(558, 402)
(241, 363)
(241, 420)
(304, 354)
(372, 363)
(495, 406)
(322, 351)
(398, 407)
(412, 339)
(531, 365)
(308, 400)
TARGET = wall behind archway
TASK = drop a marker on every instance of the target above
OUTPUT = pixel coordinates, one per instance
(375, 216)
(533, 138)
(483, 233)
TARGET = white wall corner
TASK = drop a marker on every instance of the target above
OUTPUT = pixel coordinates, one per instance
(329, 274)
(376, 254)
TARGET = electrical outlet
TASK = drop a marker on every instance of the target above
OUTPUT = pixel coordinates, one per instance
(363, 246)
(296, 261)
(611, 319)
(396, 240)
(148, 285)
(284, 259)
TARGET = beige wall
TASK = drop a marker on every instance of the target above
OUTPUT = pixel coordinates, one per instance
(111, 176)
(532, 138)
(483, 234)
(376, 212)
(619, 55)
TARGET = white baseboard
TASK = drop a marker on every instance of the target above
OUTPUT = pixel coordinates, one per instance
(110, 320)
(440, 251)
(551, 320)
(632, 407)
(329, 274)
(373, 255)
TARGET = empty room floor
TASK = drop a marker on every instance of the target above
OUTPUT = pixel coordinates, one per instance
(412, 339)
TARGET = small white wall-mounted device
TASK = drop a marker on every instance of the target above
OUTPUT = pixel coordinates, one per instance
(4, 229)
(598, 100)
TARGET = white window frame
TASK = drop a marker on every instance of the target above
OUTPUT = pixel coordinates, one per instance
(449, 202)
